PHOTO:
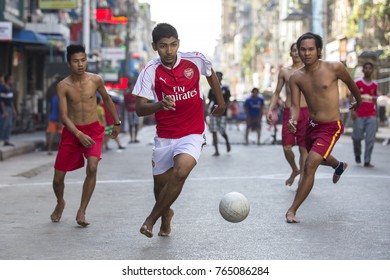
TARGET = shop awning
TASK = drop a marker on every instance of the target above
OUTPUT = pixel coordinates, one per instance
(56, 40)
(29, 37)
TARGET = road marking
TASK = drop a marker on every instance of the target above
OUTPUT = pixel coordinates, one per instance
(269, 177)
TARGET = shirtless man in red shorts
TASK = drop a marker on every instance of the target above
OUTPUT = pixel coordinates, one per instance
(290, 139)
(82, 135)
(318, 82)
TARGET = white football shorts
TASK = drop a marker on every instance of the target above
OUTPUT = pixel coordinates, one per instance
(165, 149)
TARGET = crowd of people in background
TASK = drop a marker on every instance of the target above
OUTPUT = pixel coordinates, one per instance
(239, 115)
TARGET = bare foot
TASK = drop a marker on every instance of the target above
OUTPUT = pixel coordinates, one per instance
(290, 218)
(146, 231)
(290, 180)
(80, 219)
(165, 228)
(57, 213)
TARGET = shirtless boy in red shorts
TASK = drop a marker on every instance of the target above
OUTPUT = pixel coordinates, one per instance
(318, 82)
(82, 135)
(290, 139)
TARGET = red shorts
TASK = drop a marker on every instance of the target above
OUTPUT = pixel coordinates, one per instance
(71, 151)
(299, 137)
(322, 136)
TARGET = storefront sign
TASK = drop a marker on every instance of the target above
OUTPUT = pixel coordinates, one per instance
(113, 54)
(5, 31)
(57, 5)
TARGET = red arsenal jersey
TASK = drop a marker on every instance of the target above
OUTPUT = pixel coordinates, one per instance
(182, 83)
(368, 92)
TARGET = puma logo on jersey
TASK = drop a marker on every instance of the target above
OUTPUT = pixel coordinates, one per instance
(164, 80)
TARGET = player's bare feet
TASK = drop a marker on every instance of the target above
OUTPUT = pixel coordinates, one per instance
(290, 218)
(80, 219)
(57, 213)
(291, 179)
(147, 231)
(165, 228)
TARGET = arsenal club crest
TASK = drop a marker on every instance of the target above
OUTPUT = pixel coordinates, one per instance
(189, 73)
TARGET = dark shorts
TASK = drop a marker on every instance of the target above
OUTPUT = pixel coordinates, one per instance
(299, 137)
(71, 152)
(322, 136)
(254, 123)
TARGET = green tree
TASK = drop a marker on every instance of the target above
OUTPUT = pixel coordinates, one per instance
(370, 21)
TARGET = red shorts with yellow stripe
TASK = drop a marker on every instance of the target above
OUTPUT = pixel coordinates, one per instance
(322, 136)
(299, 137)
(71, 152)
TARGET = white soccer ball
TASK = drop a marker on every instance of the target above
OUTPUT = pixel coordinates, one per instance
(234, 207)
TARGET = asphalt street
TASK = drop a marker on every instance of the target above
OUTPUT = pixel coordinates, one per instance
(346, 221)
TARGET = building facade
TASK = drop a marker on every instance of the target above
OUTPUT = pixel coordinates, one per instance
(33, 39)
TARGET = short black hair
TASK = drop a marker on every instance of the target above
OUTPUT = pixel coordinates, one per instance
(72, 49)
(164, 30)
(292, 46)
(368, 63)
(310, 35)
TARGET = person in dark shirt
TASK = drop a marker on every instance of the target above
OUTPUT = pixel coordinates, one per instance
(7, 109)
(218, 123)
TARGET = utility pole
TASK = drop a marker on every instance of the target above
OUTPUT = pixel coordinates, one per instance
(319, 21)
(129, 15)
(86, 25)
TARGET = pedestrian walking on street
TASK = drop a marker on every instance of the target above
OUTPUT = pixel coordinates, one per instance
(131, 115)
(7, 109)
(54, 125)
(82, 135)
(173, 81)
(218, 123)
(299, 137)
(364, 118)
(318, 82)
(254, 106)
(234, 111)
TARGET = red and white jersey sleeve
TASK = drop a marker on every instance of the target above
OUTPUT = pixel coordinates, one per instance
(182, 83)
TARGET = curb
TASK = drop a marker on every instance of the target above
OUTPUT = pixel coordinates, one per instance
(24, 148)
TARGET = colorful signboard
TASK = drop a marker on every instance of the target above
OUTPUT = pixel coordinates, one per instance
(57, 4)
